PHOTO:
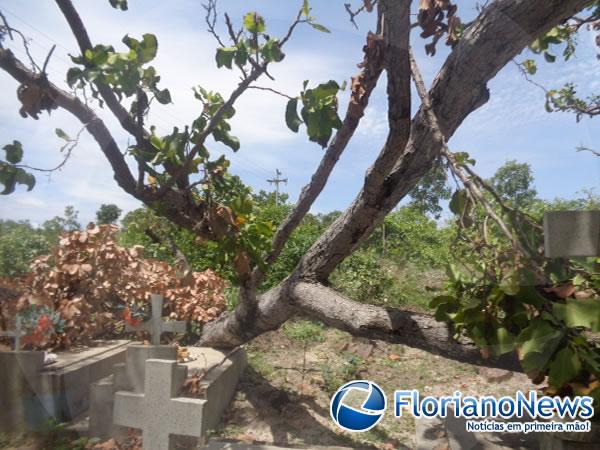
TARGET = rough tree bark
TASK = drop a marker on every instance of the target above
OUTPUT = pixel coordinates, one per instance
(501, 32)
(498, 34)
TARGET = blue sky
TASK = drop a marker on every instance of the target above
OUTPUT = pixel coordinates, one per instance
(512, 125)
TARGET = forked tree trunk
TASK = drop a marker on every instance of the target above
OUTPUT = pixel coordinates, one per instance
(498, 34)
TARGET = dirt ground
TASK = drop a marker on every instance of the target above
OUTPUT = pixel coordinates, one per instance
(277, 402)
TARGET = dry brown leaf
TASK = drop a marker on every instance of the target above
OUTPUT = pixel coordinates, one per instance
(563, 291)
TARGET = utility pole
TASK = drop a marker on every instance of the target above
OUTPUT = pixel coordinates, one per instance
(277, 181)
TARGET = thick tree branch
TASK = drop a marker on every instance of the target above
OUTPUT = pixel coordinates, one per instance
(363, 85)
(503, 29)
(324, 304)
(83, 41)
(392, 325)
(320, 261)
(96, 127)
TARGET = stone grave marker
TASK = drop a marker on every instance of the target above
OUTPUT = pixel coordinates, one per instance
(156, 325)
(158, 412)
(571, 234)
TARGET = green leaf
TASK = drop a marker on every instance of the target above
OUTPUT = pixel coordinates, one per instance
(325, 90)
(222, 135)
(549, 57)
(565, 366)
(529, 294)
(224, 56)
(305, 8)
(14, 152)
(578, 280)
(254, 23)
(119, 4)
(163, 97)
(530, 66)
(146, 52)
(442, 299)
(458, 202)
(505, 341)
(510, 283)
(130, 42)
(8, 179)
(537, 343)
(271, 51)
(157, 142)
(579, 313)
(241, 55)
(73, 75)
(319, 27)
(25, 178)
(61, 134)
(292, 119)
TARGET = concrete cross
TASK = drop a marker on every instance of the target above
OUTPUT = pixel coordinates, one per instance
(17, 333)
(156, 326)
(157, 412)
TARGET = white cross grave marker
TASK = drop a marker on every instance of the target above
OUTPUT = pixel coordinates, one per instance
(17, 333)
(157, 412)
(156, 326)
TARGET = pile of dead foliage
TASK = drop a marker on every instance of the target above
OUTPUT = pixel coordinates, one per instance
(88, 285)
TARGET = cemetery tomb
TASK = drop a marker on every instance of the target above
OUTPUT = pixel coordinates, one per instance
(34, 393)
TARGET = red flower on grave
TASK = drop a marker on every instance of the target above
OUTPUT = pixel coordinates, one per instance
(44, 324)
(128, 317)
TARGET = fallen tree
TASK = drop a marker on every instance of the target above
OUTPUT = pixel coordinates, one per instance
(166, 179)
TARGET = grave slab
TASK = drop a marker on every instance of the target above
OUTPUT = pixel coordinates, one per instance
(65, 385)
(224, 371)
(128, 376)
(20, 407)
(31, 393)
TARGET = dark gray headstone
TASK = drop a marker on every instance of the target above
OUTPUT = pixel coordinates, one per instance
(572, 234)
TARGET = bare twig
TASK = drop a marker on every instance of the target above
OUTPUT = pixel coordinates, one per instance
(235, 37)
(47, 60)
(459, 170)
(8, 28)
(25, 40)
(96, 127)
(211, 20)
(528, 78)
(274, 91)
(353, 14)
(583, 148)
(69, 147)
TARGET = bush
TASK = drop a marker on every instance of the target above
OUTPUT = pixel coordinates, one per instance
(20, 243)
(93, 283)
(363, 278)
